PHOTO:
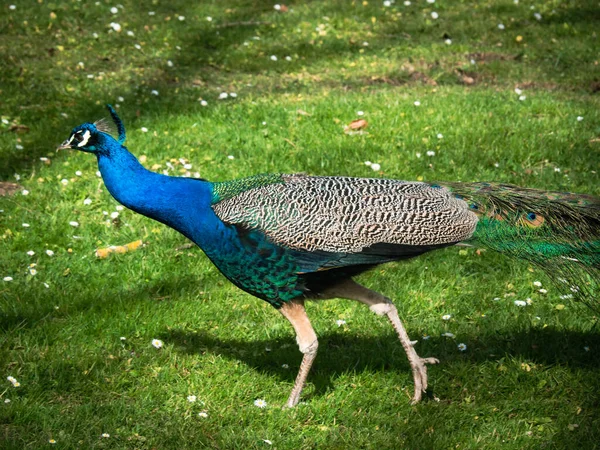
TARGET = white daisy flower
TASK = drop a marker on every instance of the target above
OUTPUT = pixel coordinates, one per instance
(417, 103)
(73, 223)
(259, 402)
(520, 303)
(462, 347)
(114, 10)
(8, 278)
(31, 253)
(340, 322)
(434, 15)
(446, 317)
(375, 167)
(191, 398)
(105, 435)
(203, 414)
(157, 343)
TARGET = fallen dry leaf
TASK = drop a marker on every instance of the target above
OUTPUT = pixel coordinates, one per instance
(356, 127)
(102, 253)
(358, 124)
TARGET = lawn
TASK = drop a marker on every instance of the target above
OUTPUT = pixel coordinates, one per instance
(465, 90)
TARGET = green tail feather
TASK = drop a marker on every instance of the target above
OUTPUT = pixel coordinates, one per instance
(557, 231)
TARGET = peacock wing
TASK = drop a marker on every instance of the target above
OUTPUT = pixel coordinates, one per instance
(360, 220)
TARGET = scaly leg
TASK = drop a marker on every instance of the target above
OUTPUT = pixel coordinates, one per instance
(381, 305)
(307, 342)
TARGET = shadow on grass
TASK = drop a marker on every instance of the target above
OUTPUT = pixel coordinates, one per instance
(339, 354)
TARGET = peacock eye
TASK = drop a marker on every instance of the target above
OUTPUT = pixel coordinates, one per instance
(77, 137)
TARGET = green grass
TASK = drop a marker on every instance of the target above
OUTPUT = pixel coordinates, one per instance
(525, 380)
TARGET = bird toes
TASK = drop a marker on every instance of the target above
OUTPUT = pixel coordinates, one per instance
(430, 360)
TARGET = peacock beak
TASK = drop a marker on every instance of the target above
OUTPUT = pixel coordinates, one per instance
(65, 145)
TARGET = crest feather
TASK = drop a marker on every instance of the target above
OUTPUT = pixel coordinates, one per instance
(105, 126)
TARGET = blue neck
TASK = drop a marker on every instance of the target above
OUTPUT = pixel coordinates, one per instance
(181, 203)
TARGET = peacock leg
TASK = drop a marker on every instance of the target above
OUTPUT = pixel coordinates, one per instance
(381, 305)
(307, 342)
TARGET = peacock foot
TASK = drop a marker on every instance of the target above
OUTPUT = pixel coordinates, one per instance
(419, 368)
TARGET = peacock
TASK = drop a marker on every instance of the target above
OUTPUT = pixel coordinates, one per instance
(291, 238)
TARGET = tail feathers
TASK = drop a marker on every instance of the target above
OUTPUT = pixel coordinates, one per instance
(559, 232)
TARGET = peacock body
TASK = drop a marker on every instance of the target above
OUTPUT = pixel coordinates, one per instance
(287, 238)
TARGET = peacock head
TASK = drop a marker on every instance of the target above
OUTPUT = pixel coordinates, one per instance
(90, 137)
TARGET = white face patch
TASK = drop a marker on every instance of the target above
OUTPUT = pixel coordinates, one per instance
(84, 139)
(70, 140)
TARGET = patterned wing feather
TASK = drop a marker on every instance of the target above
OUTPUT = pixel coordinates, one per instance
(351, 215)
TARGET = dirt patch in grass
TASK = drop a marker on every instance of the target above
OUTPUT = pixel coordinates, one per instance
(8, 188)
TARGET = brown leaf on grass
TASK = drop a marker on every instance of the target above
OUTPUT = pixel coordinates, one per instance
(466, 77)
(356, 126)
(18, 128)
(102, 253)
(8, 188)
